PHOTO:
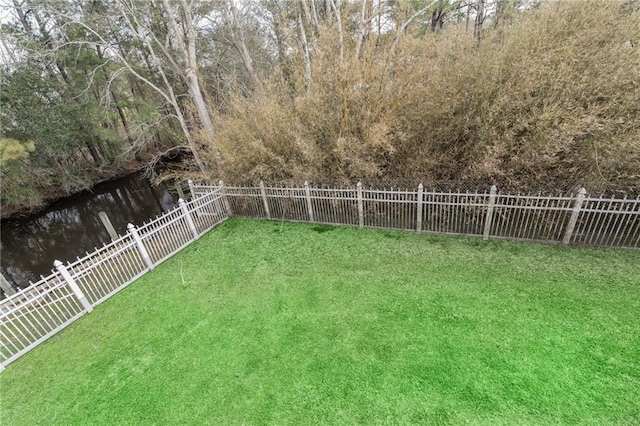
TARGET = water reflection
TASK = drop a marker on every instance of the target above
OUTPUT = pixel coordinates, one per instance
(71, 227)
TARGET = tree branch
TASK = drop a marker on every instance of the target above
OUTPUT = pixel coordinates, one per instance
(408, 22)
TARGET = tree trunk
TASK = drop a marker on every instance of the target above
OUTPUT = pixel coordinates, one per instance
(190, 141)
(437, 18)
(123, 118)
(477, 28)
(362, 29)
(314, 17)
(307, 58)
(406, 23)
(186, 42)
(336, 9)
(201, 106)
(241, 46)
(314, 29)
(466, 24)
(501, 6)
(114, 96)
(192, 74)
(94, 153)
(23, 18)
(280, 43)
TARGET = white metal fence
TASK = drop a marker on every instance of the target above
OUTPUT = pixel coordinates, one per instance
(36, 313)
(570, 220)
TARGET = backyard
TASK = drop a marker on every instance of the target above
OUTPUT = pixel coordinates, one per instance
(280, 323)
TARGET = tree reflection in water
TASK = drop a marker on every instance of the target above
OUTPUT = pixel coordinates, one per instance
(71, 226)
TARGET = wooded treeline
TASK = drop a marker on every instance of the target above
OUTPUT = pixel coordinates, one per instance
(520, 93)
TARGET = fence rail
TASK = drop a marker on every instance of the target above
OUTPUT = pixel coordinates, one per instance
(570, 220)
(36, 313)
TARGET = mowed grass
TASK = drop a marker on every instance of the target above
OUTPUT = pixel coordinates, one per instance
(275, 323)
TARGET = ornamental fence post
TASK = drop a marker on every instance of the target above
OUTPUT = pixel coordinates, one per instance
(263, 192)
(192, 190)
(360, 205)
(574, 217)
(419, 206)
(224, 198)
(73, 285)
(307, 193)
(489, 218)
(187, 216)
(141, 248)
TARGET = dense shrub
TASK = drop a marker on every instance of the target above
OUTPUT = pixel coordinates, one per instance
(550, 98)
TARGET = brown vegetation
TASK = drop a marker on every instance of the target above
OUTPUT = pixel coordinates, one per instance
(549, 98)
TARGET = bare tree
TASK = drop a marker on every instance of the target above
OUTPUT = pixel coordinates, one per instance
(184, 34)
(403, 27)
(168, 54)
(477, 28)
(336, 10)
(306, 54)
(235, 24)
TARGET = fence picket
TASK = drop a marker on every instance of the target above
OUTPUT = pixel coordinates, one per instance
(628, 235)
(620, 219)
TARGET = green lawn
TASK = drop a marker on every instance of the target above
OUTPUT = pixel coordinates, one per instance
(271, 323)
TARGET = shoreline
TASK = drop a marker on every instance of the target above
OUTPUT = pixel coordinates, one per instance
(107, 174)
(50, 197)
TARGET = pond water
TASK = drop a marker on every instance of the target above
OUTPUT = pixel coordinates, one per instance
(71, 226)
